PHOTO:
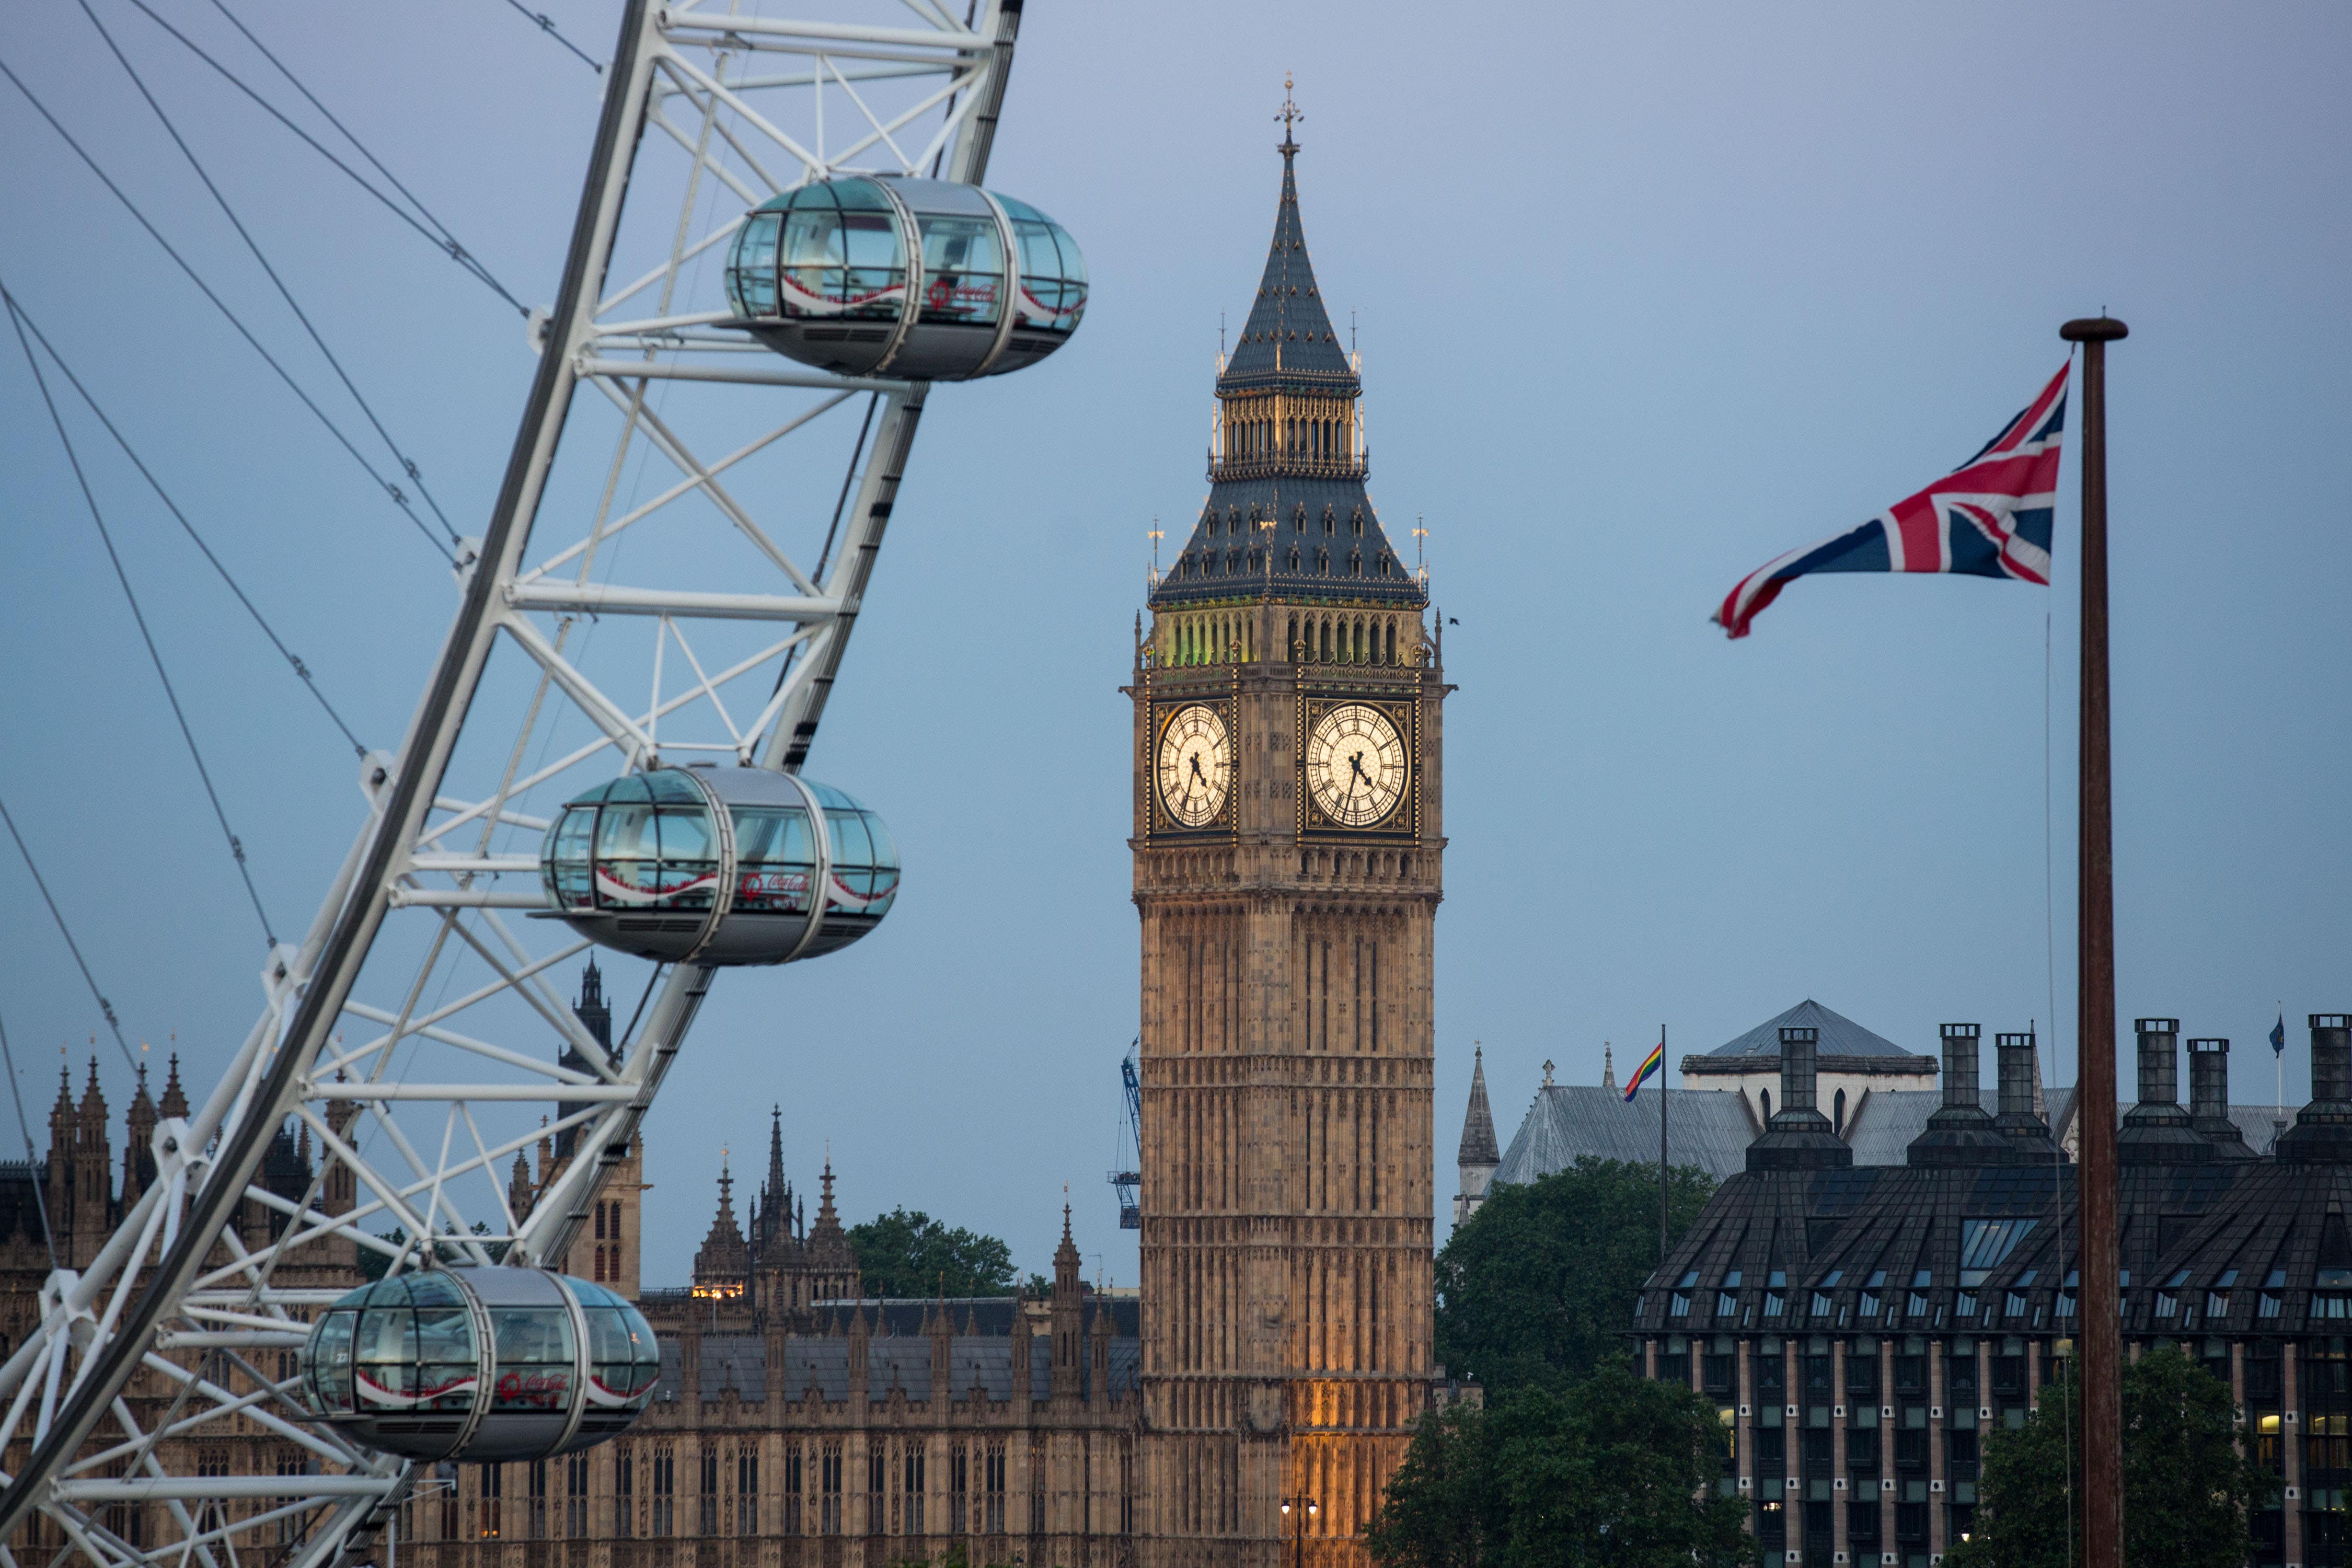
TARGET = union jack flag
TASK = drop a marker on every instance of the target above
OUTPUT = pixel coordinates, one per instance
(1988, 517)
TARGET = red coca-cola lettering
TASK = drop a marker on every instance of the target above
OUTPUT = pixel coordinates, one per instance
(534, 1390)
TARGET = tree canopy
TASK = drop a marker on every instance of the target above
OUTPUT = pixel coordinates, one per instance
(908, 1253)
(1615, 1470)
(2186, 1490)
(1540, 1284)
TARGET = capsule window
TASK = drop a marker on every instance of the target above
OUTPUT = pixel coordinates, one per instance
(535, 1358)
(963, 270)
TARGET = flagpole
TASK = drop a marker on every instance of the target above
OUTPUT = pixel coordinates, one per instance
(2099, 1337)
(1662, 1145)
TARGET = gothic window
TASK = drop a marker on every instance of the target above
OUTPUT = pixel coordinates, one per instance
(1232, 559)
(664, 1491)
(1330, 520)
(829, 1510)
(1391, 654)
(576, 1497)
(490, 1518)
(746, 1490)
(913, 1473)
(624, 1494)
(707, 1493)
(1213, 522)
(1356, 522)
(1298, 517)
(600, 1226)
(1294, 558)
(1838, 1120)
(792, 1489)
(1323, 560)
(1767, 1095)
(992, 1496)
(1294, 620)
(877, 1476)
(1354, 564)
(536, 1488)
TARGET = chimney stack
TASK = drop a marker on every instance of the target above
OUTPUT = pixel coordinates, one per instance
(1799, 1137)
(2322, 1134)
(2155, 1132)
(2209, 1099)
(2017, 1120)
(1961, 1133)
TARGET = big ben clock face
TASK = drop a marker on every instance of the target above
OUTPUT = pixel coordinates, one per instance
(1356, 765)
(1196, 765)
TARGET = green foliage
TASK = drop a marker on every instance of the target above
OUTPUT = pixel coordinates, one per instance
(1038, 1286)
(908, 1253)
(1540, 1285)
(1615, 1470)
(2187, 1491)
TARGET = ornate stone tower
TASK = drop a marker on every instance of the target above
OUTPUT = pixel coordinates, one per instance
(1288, 847)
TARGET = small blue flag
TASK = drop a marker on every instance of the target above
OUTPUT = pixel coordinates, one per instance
(2278, 1035)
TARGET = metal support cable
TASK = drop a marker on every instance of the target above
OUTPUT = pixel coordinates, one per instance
(547, 26)
(40, 1200)
(57, 419)
(434, 231)
(294, 386)
(105, 1007)
(171, 506)
(280, 283)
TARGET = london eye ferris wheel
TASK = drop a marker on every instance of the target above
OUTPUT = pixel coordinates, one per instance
(634, 793)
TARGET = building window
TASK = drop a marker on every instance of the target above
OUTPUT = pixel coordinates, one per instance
(665, 1491)
(536, 1488)
(877, 1477)
(746, 1490)
(489, 1518)
(576, 1497)
(959, 1484)
(624, 1494)
(993, 1494)
(1036, 1485)
(829, 1499)
(1837, 1118)
(452, 1525)
(707, 1493)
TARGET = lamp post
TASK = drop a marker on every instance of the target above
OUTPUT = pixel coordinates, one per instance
(1299, 1509)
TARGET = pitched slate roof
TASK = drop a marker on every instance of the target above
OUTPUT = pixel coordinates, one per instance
(1706, 1127)
(1840, 1037)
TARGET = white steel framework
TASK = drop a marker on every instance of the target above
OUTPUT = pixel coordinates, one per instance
(414, 1031)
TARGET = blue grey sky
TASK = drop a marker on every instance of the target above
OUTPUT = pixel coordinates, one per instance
(1645, 295)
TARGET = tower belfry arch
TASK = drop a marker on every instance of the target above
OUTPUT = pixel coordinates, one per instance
(1288, 847)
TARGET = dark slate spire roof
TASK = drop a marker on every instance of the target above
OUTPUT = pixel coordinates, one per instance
(1288, 343)
(1478, 1127)
(1327, 543)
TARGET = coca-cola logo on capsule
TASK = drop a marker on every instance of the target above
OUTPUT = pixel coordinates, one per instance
(534, 1390)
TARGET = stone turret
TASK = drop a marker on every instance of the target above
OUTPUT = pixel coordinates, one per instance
(723, 1260)
(1068, 1300)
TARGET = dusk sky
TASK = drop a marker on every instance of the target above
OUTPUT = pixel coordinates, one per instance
(1645, 295)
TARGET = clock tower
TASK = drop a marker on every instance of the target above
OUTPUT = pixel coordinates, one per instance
(1288, 853)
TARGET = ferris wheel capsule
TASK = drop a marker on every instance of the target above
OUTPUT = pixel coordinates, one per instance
(480, 1365)
(720, 866)
(907, 278)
